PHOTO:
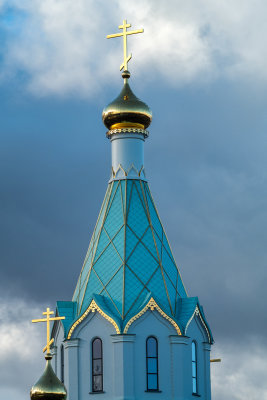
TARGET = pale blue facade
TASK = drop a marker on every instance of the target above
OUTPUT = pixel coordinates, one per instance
(127, 152)
(130, 289)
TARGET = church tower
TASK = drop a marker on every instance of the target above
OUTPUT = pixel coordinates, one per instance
(131, 331)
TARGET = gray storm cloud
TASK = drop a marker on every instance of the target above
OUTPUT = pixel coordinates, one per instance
(204, 76)
(62, 50)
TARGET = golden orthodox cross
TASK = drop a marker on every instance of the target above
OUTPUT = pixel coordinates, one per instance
(125, 33)
(47, 320)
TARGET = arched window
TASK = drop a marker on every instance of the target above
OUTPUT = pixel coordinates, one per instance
(97, 365)
(194, 367)
(62, 363)
(152, 378)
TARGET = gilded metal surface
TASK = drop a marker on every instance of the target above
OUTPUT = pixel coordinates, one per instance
(152, 305)
(47, 320)
(124, 34)
(48, 386)
(127, 111)
(122, 125)
(93, 308)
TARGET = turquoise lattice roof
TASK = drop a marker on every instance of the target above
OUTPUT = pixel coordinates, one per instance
(129, 257)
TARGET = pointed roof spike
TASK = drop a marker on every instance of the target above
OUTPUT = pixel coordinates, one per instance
(134, 247)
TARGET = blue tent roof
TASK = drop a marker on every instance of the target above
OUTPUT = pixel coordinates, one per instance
(68, 310)
(129, 257)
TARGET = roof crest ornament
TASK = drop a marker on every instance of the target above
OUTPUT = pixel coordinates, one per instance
(127, 113)
(48, 386)
(124, 34)
(47, 320)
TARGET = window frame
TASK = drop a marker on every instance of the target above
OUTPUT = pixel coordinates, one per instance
(194, 362)
(92, 365)
(157, 360)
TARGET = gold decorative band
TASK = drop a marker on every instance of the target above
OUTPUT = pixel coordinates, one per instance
(93, 308)
(198, 313)
(127, 130)
(127, 125)
(125, 173)
(152, 305)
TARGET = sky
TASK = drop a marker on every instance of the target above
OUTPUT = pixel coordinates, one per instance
(202, 68)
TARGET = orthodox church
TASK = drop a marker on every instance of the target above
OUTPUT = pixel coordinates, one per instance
(130, 331)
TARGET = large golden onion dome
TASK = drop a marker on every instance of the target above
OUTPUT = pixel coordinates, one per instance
(49, 386)
(127, 110)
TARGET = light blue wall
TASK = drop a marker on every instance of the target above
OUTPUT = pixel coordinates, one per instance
(127, 150)
(94, 326)
(59, 338)
(152, 324)
(196, 331)
(124, 358)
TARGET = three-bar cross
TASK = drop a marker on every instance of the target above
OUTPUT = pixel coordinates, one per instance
(125, 33)
(47, 320)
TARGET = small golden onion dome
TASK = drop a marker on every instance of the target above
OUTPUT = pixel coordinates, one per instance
(127, 110)
(49, 386)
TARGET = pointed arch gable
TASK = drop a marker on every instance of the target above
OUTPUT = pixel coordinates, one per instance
(93, 307)
(152, 305)
(197, 312)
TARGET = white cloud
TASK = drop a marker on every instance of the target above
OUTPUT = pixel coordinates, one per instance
(242, 372)
(21, 360)
(62, 49)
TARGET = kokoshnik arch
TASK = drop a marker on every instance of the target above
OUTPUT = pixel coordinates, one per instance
(130, 331)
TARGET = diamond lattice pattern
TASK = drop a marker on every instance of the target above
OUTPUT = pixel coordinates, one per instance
(129, 256)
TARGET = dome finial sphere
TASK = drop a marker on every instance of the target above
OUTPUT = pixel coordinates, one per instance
(48, 387)
(127, 110)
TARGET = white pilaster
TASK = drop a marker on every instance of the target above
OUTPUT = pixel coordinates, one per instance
(71, 366)
(123, 371)
(180, 367)
(206, 348)
(53, 351)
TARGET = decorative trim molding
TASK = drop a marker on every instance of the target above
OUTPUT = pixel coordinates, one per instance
(122, 338)
(179, 339)
(53, 350)
(143, 132)
(206, 346)
(93, 307)
(71, 343)
(127, 172)
(152, 305)
(198, 313)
